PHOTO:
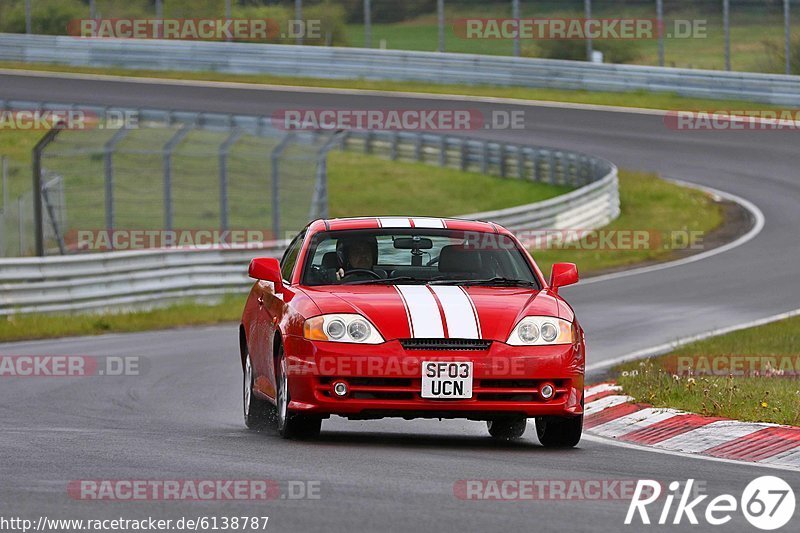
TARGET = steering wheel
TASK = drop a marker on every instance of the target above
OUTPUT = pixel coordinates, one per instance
(363, 271)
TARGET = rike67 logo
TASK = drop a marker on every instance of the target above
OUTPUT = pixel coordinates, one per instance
(767, 502)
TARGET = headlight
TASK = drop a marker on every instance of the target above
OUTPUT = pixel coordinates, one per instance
(542, 331)
(341, 328)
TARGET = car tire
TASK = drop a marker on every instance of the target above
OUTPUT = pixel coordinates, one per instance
(257, 412)
(559, 431)
(291, 425)
(507, 428)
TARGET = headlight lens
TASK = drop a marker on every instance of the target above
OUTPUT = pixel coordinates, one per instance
(335, 329)
(549, 332)
(542, 331)
(358, 330)
(341, 328)
(528, 332)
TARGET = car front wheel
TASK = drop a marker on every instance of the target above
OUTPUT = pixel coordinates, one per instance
(507, 428)
(559, 431)
(257, 412)
(290, 425)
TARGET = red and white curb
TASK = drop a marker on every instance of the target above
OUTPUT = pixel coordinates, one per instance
(610, 414)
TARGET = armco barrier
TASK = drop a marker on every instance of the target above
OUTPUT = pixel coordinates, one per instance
(118, 280)
(354, 63)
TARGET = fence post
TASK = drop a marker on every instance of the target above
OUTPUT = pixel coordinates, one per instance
(367, 23)
(726, 22)
(228, 16)
(276, 183)
(46, 139)
(319, 207)
(515, 15)
(787, 30)
(224, 150)
(108, 170)
(176, 138)
(298, 15)
(28, 24)
(4, 171)
(21, 223)
(660, 23)
(440, 23)
(587, 9)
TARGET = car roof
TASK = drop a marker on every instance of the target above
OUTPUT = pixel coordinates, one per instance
(339, 224)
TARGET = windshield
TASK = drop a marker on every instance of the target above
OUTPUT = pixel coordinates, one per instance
(408, 256)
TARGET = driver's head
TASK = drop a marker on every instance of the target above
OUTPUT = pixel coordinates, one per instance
(357, 252)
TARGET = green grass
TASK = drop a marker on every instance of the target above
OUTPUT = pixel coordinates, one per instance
(752, 32)
(24, 327)
(393, 186)
(361, 185)
(649, 204)
(756, 399)
(639, 99)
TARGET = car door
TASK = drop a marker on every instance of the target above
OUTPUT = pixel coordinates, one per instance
(272, 307)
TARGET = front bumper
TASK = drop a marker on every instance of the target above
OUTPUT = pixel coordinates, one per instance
(385, 380)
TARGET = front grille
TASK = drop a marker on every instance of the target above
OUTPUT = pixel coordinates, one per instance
(446, 344)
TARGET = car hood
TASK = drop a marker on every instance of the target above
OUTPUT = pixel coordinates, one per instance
(420, 311)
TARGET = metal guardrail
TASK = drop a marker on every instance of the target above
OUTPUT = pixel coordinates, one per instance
(119, 280)
(326, 62)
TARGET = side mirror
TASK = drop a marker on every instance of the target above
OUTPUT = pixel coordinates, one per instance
(563, 274)
(267, 269)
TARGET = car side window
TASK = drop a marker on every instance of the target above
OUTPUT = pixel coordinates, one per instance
(290, 257)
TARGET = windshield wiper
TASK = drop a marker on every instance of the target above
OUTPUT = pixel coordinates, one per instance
(384, 280)
(497, 281)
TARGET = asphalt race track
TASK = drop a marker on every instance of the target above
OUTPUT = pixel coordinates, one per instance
(182, 419)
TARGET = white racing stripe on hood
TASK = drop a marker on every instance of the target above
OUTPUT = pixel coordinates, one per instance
(426, 321)
(394, 222)
(462, 323)
(428, 222)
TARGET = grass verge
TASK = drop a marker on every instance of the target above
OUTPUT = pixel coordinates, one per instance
(25, 327)
(739, 395)
(664, 212)
(640, 99)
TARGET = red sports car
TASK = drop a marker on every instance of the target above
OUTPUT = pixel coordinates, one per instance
(411, 317)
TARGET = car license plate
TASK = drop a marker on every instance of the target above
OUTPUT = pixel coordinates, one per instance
(448, 380)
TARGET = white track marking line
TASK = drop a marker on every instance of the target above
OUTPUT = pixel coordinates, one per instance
(425, 317)
(711, 435)
(757, 214)
(333, 90)
(669, 346)
(612, 442)
(638, 420)
(789, 458)
(597, 389)
(457, 307)
(605, 403)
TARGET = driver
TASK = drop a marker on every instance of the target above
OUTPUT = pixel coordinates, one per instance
(357, 253)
